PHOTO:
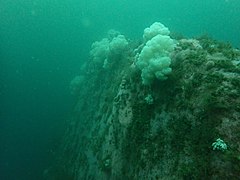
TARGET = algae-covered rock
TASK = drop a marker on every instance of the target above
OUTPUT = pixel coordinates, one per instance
(115, 134)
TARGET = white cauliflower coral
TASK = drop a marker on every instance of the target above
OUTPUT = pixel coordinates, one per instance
(155, 29)
(154, 59)
(102, 49)
(118, 44)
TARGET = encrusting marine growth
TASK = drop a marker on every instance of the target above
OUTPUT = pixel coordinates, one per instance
(152, 110)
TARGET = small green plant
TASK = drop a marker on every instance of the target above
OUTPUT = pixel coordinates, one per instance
(149, 99)
(220, 145)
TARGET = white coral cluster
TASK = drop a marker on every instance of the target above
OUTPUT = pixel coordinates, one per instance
(102, 49)
(154, 59)
(155, 29)
(118, 44)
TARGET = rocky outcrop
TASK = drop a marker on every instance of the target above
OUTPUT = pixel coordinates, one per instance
(114, 133)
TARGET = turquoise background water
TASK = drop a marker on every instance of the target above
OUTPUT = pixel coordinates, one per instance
(42, 45)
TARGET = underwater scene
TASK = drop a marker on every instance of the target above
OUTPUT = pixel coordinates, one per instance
(119, 90)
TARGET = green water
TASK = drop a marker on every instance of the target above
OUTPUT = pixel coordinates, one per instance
(42, 45)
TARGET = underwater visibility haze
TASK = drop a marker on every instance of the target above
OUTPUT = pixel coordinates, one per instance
(118, 89)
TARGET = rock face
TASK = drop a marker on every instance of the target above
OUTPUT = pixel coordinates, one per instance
(114, 133)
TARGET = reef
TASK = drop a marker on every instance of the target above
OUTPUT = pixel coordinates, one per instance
(186, 126)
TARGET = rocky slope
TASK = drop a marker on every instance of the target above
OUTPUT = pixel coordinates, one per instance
(122, 129)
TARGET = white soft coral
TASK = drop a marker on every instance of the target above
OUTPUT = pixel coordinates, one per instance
(154, 59)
